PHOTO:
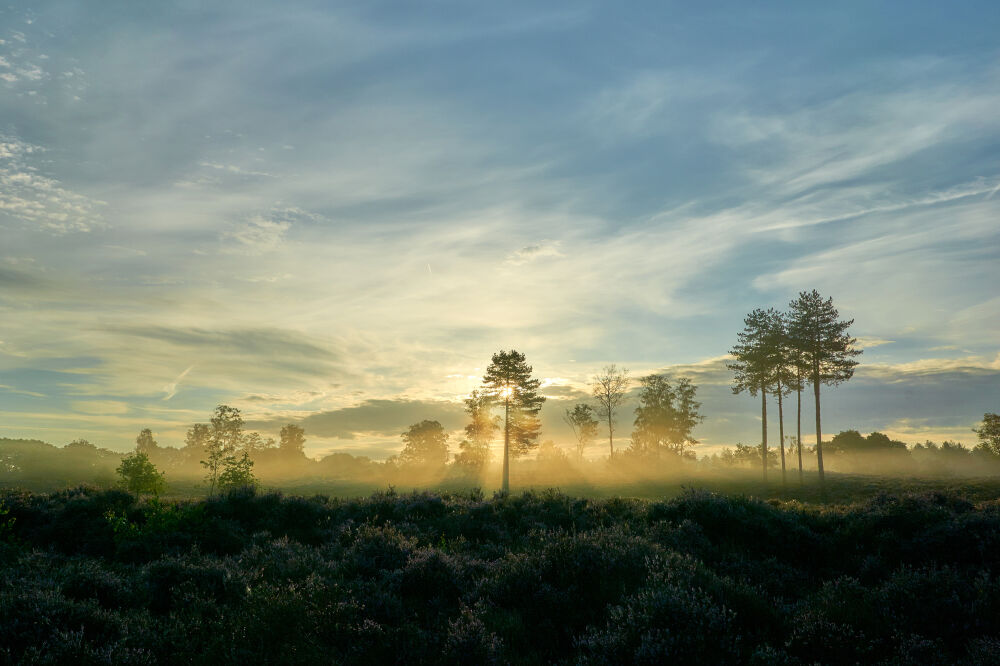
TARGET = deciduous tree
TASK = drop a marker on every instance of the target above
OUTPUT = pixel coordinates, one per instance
(238, 472)
(665, 417)
(425, 443)
(292, 441)
(139, 475)
(145, 443)
(474, 449)
(584, 425)
(609, 387)
(989, 434)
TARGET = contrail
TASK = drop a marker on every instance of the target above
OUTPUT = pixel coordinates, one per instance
(993, 191)
(171, 389)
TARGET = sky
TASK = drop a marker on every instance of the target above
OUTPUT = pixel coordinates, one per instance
(333, 214)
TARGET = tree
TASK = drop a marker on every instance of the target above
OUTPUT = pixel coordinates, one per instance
(139, 475)
(145, 442)
(292, 441)
(227, 427)
(425, 443)
(253, 443)
(783, 373)
(581, 420)
(827, 351)
(753, 365)
(474, 449)
(225, 434)
(508, 382)
(609, 388)
(665, 417)
(989, 434)
(238, 473)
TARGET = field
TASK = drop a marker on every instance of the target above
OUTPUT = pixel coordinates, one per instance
(888, 571)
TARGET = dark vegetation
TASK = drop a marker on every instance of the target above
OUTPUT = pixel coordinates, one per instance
(95, 576)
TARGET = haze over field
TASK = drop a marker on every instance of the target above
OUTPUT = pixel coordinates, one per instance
(332, 215)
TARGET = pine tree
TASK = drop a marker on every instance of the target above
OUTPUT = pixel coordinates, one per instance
(827, 351)
(508, 382)
(753, 365)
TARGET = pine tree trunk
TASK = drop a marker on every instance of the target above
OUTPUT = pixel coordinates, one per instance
(506, 446)
(819, 432)
(798, 426)
(781, 434)
(763, 431)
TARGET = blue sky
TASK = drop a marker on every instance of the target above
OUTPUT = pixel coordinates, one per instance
(338, 212)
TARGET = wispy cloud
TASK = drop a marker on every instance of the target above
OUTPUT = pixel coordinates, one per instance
(170, 390)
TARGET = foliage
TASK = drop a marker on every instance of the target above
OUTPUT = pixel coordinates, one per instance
(743, 455)
(989, 434)
(237, 473)
(97, 577)
(139, 475)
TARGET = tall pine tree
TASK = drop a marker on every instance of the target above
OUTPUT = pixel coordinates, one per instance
(753, 365)
(509, 384)
(827, 351)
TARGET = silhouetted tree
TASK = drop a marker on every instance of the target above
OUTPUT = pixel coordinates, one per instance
(609, 388)
(581, 420)
(753, 365)
(989, 434)
(145, 443)
(425, 443)
(238, 472)
(815, 329)
(508, 382)
(474, 449)
(665, 417)
(139, 475)
(292, 441)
